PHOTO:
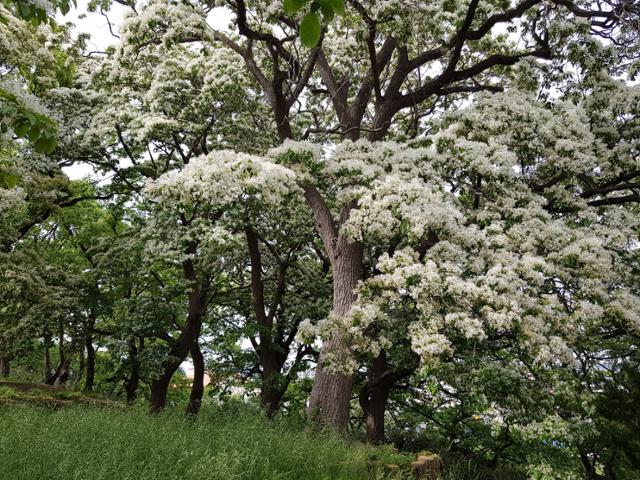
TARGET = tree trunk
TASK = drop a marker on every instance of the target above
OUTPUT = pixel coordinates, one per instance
(375, 392)
(81, 366)
(588, 463)
(63, 365)
(159, 389)
(47, 356)
(374, 414)
(331, 394)
(5, 367)
(62, 375)
(373, 398)
(90, 364)
(61, 343)
(274, 384)
(197, 387)
(180, 349)
(133, 381)
(271, 397)
(272, 353)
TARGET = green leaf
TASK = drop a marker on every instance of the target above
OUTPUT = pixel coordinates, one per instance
(292, 6)
(310, 30)
(34, 133)
(45, 145)
(30, 116)
(24, 10)
(12, 180)
(327, 11)
(338, 6)
(21, 127)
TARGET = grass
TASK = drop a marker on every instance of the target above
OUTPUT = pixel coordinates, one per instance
(99, 443)
(56, 434)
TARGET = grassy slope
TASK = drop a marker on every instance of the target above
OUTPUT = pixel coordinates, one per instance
(88, 442)
(58, 434)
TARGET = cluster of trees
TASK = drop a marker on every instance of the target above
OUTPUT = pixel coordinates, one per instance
(421, 215)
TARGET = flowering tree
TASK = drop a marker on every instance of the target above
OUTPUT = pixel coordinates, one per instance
(389, 65)
(33, 61)
(211, 200)
(475, 234)
(379, 71)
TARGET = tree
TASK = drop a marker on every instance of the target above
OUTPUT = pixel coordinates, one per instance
(33, 61)
(207, 215)
(386, 69)
(384, 74)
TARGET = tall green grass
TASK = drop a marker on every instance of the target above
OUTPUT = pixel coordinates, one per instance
(86, 442)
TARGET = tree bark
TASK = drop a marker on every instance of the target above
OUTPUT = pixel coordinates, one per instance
(180, 349)
(63, 364)
(62, 374)
(61, 343)
(589, 467)
(133, 381)
(90, 364)
(81, 366)
(47, 356)
(375, 392)
(272, 352)
(273, 385)
(197, 387)
(374, 414)
(5, 366)
(373, 399)
(330, 399)
(159, 389)
(190, 333)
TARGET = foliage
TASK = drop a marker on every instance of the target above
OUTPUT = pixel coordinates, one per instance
(27, 74)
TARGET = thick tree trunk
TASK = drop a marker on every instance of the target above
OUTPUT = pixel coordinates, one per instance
(331, 394)
(373, 398)
(270, 397)
(81, 366)
(159, 389)
(197, 387)
(90, 364)
(274, 384)
(180, 349)
(374, 414)
(375, 392)
(5, 366)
